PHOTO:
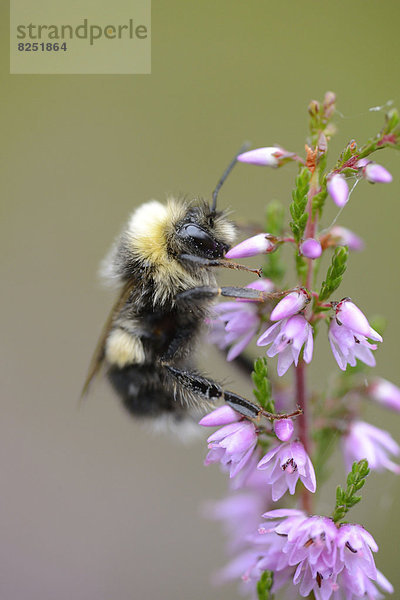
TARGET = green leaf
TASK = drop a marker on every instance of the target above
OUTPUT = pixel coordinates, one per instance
(346, 498)
(264, 585)
(262, 390)
(298, 206)
(335, 273)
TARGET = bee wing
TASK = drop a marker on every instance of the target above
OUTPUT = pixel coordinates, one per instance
(98, 355)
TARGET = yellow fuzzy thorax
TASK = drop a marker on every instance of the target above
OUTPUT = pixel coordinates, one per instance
(148, 232)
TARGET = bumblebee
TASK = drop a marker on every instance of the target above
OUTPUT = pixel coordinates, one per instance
(163, 264)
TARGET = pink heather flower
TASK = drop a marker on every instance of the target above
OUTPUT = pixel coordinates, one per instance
(347, 347)
(330, 561)
(360, 586)
(235, 326)
(345, 237)
(236, 323)
(312, 547)
(249, 477)
(348, 334)
(353, 318)
(290, 305)
(385, 392)
(264, 554)
(360, 543)
(376, 445)
(223, 415)
(373, 172)
(338, 190)
(311, 248)
(272, 156)
(288, 337)
(284, 429)
(285, 465)
(258, 244)
(239, 514)
(263, 285)
(232, 446)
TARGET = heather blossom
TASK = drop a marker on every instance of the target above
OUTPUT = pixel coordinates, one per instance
(345, 237)
(338, 190)
(250, 477)
(239, 514)
(262, 243)
(290, 305)
(373, 172)
(287, 337)
(311, 555)
(233, 444)
(284, 429)
(284, 465)
(376, 445)
(348, 333)
(271, 156)
(311, 248)
(329, 560)
(234, 324)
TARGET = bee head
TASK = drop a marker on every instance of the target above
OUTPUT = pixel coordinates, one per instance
(203, 232)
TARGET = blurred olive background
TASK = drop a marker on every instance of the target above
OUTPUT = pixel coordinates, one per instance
(92, 505)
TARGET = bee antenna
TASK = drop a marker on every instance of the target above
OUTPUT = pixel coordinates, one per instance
(229, 168)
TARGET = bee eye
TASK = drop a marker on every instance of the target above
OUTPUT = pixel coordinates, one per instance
(201, 241)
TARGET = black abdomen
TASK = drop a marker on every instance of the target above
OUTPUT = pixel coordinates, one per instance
(145, 392)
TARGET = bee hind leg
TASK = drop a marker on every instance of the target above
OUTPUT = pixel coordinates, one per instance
(209, 390)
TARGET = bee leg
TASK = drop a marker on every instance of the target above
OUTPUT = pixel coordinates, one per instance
(209, 293)
(208, 389)
(217, 262)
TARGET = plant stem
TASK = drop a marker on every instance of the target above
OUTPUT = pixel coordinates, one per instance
(311, 223)
(300, 370)
(303, 422)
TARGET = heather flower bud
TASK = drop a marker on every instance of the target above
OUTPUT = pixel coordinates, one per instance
(224, 415)
(290, 305)
(311, 248)
(322, 143)
(284, 429)
(313, 108)
(329, 104)
(271, 156)
(261, 243)
(373, 172)
(345, 237)
(338, 190)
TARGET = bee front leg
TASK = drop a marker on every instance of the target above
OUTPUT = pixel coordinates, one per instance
(209, 293)
(207, 389)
